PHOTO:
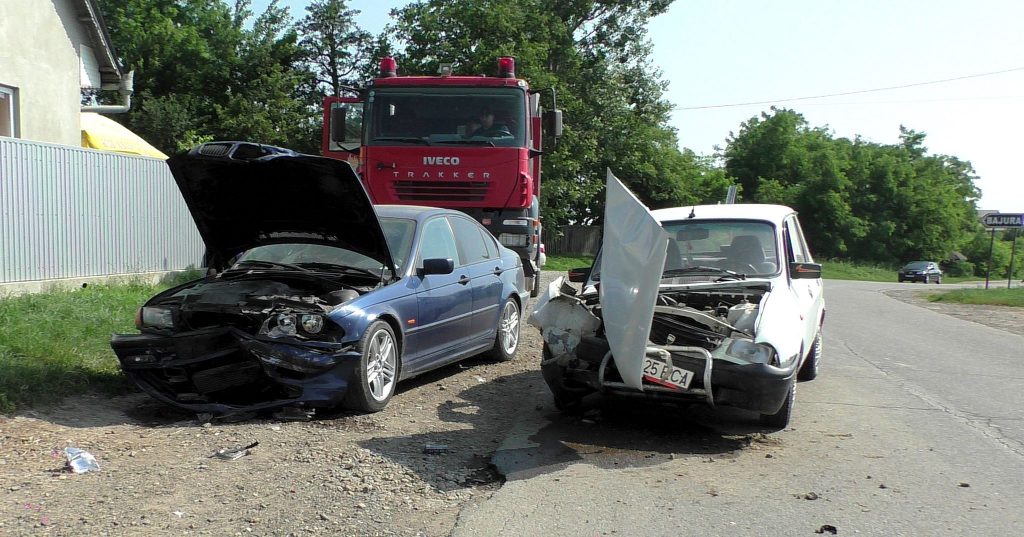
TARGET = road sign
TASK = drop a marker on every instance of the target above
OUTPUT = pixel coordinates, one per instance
(1004, 220)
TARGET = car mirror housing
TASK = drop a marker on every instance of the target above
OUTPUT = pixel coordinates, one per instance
(810, 271)
(437, 265)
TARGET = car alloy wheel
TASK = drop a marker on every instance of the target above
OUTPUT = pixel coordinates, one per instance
(506, 342)
(373, 382)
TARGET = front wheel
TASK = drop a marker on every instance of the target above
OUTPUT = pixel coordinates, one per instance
(506, 342)
(938, 280)
(809, 369)
(780, 419)
(373, 381)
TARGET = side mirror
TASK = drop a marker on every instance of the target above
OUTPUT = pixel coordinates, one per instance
(437, 265)
(346, 126)
(579, 274)
(553, 123)
(801, 271)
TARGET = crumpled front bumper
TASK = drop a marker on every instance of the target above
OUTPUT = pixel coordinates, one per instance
(225, 370)
(758, 387)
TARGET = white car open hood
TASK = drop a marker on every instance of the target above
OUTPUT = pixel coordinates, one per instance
(632, 258)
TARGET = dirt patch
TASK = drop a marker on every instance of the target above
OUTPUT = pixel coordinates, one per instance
(339, 474)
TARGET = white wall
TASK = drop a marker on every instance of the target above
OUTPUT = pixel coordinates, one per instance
(39, 56)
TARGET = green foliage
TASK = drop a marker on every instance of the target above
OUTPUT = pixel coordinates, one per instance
(958, 269)
(996, 297)
(562, 263)
(58, 342)
(848, 270)
(858, 200)
(335, 48)
(201, 73)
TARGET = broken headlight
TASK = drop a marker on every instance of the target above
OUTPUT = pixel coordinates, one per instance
(757, 353)
(291, 325)
(155, 317)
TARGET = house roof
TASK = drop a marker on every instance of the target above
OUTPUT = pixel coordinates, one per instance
(92, 20)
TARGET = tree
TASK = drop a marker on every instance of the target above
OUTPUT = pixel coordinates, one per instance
(334, 45)
(857, 199)
(200, 73)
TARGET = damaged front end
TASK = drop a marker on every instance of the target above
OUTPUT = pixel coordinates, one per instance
(702, 347)
(243, 343)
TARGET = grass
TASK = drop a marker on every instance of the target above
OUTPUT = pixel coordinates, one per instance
(995, 297)
(57, 343)
(846, 270)
(562, 263)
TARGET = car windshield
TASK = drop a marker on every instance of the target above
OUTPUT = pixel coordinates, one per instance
(318, 257)
(721, 248)
(716, 249)
(916, 265)
(490, 117)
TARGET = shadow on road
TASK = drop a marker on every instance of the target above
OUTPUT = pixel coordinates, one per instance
(511, 421)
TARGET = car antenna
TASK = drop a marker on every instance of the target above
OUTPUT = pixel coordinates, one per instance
(692, 214)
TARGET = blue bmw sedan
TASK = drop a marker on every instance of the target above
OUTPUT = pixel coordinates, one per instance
(316, 297)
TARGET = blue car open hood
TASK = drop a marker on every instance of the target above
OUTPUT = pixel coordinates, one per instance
(276, 196)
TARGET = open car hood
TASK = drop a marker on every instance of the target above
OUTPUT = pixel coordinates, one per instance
(632, 258)
(275, 196)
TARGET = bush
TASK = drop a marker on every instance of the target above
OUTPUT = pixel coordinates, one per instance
(958, 268)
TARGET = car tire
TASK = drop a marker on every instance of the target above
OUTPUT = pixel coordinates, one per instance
(535, 291)
(809, 369)
(506, 341)
(374, 379)
(938, 280)
(927, 279)
(780, 419)
(565, 400)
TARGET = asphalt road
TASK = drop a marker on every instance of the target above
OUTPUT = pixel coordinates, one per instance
(914, 427)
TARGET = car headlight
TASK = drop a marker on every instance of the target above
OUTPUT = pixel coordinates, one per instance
(156, 317)
(312, 323)
(757, 353)
(290, 325)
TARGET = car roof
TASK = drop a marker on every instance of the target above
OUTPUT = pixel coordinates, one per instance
(412, 212)
(737, 211)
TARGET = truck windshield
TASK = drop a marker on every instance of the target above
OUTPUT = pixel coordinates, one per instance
(447, 116)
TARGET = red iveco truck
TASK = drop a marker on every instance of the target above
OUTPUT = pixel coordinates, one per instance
(471, 143)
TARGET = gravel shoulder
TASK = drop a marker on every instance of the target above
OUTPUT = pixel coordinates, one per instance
(1006, 318)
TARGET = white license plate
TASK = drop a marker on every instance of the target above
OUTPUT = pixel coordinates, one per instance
(666, 374)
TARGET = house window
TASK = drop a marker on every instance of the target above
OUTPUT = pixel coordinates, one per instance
(8, 108)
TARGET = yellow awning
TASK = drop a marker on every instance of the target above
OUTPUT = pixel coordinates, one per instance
(99, 132)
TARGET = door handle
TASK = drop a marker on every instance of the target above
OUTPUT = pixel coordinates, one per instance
(463, 279)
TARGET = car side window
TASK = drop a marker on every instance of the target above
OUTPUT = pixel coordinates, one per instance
(808, 258)
(470, 241)
(796, 244)
(437, 241)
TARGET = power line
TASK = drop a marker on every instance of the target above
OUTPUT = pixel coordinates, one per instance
(930, 82)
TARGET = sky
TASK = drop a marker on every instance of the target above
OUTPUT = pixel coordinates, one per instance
(713, 53)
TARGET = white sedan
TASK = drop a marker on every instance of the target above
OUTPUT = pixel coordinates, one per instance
(720, 304)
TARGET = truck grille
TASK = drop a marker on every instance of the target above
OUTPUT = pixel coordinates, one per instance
(441, 190)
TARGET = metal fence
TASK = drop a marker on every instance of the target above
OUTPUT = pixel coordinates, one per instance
(575, 240)
(67, 212)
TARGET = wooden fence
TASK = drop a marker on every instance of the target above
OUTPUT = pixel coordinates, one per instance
(573, 240)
